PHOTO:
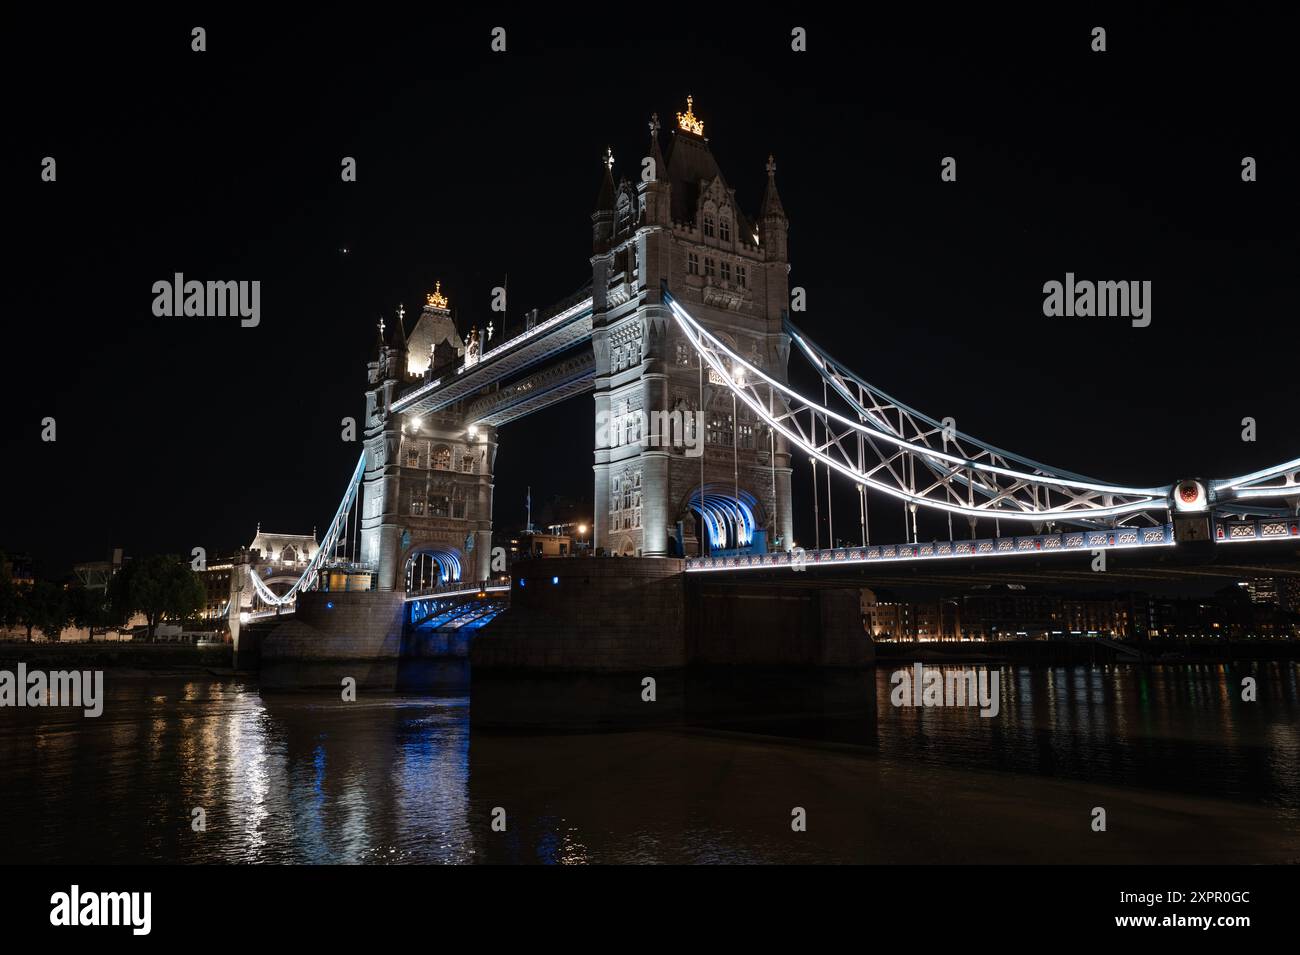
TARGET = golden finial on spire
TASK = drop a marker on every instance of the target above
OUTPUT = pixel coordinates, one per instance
(436, 299)
(688, 120)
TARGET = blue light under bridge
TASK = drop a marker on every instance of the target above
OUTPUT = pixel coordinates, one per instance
(422, 565)
(728, 519)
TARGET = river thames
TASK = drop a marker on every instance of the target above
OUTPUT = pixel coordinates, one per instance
(1185, 770)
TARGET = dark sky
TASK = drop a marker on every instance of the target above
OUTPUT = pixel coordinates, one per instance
(174, 433)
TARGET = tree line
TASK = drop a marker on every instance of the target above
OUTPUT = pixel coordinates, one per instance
(160, 587)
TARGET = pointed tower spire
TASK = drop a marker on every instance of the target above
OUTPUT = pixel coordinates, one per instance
(399, 330)
(602, 220)
(773, 227)
(771, 200)
(605, 201)
(660, 174)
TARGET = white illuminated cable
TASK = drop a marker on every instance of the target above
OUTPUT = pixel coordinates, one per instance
(309, 574)
(696, 333)
(684, 319)
(821, 359)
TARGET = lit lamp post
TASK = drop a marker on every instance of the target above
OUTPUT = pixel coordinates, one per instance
(582, 534)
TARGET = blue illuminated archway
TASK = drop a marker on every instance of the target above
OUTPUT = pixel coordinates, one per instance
(427, 567)
(728, 520)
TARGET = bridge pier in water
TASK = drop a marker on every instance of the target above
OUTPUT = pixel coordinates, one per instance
(355, 634)
(582, 636)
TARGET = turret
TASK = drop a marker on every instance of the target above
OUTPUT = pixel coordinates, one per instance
(655, 192)
(772, 224)
(602, 220)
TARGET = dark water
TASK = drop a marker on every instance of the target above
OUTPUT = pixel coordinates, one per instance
(1185, 770)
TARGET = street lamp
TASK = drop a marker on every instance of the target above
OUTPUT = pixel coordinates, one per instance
(582, 533)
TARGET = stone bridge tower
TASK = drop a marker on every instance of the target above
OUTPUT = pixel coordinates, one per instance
(427, 489)
(680, 224)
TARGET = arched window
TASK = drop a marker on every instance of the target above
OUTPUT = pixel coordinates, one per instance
(442, 458)
(724, 227)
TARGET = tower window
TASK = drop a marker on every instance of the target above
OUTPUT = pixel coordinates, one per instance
(720, 430)
(708, 268)
(417, 508)
(741, 277)
(708, 226)
(726, 271)
(692, 263)
(724, 229)
(442, 458)
(412, 457)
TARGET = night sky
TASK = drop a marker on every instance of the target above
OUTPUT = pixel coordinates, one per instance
(224, 165)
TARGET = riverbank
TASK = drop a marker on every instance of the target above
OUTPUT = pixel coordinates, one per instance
(114, 655)
(1065, 652)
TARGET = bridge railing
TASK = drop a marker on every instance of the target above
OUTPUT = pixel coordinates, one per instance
(1161, 535)
(1227, 531)
(453, 588)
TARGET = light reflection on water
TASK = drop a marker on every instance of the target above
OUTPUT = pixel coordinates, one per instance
(306, 778)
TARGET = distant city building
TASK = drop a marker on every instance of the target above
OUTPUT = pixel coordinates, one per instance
(1263, 590)
(216, 587)
(1014, 612)
(19, 567)
(544, 544)
(1288, 593)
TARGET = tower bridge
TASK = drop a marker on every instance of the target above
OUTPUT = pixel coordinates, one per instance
(684, 317)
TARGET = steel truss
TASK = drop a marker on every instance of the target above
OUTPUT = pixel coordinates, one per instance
(883, 445)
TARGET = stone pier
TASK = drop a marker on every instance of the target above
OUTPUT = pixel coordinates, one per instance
(632, 614)
(355, 634)
(592, 614)
(584, 637)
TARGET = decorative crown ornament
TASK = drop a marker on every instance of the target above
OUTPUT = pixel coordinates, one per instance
(688, 120)
(436, 299)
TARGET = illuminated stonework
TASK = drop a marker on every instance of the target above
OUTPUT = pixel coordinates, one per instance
(688, 121)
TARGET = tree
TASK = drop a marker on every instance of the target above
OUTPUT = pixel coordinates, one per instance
(45, 608)
(94, 609)
(162, 587)
(8, 595)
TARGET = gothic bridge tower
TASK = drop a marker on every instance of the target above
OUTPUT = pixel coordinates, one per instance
(680, 224)
(426, 500)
